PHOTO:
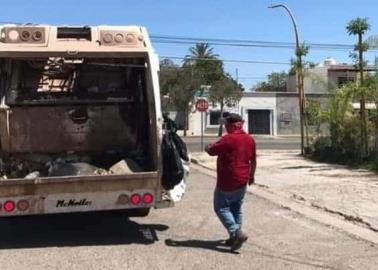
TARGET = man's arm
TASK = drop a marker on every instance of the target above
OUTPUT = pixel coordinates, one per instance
(252, 169)
(217, 148)
(252, 164)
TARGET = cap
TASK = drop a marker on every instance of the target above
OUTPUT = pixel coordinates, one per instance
(232, 117)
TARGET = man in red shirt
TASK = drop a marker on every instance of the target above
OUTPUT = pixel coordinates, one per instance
(236, 165)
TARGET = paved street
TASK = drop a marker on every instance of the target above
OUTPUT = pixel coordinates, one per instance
(188, 236)
(262, 142)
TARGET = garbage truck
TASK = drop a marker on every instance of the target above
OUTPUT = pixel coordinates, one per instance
(80, 120)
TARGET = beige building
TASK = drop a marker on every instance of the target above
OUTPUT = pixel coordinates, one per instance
(323, 77)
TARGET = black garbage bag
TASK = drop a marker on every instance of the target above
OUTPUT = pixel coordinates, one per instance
(170, 126)
(181, 146)
(173, 170)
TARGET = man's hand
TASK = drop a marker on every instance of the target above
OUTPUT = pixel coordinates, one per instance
(207, 148)
(252, 172)
(251, 180)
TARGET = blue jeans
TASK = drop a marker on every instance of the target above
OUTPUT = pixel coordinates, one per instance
(228, 207)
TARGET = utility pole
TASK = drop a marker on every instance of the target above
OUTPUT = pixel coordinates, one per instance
(299, 72)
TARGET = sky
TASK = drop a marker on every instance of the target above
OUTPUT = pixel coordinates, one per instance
(318, 21)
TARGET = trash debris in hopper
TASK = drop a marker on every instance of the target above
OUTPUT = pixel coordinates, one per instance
(33, 175)
(125, 166)
(36, 165)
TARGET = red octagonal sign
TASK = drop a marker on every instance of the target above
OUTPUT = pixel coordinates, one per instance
(202, 105)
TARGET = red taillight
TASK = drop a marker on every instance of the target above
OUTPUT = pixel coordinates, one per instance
(22, 205)
(148, 198)
(135, 199)
(9, 206)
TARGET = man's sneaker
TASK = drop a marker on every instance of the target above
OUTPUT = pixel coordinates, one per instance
(239, 238)
(229, 242)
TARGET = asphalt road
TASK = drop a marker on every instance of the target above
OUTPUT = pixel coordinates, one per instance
(262, 142)
(188, 236)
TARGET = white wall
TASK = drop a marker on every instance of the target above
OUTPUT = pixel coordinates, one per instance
(246, 103)
(260, 103)
(195, 120)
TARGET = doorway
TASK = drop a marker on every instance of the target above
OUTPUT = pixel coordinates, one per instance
(259, 122)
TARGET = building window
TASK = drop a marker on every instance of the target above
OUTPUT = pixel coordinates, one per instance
(214, 118)
(344, 80)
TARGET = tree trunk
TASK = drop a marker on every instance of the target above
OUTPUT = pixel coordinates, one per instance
(186, 122)
(364, 135)
(376, 133)
(220, 130)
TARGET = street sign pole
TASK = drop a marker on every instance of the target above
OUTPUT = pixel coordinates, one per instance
(201, 131)
(202, 105)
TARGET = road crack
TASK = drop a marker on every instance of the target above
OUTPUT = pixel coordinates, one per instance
(354, 219)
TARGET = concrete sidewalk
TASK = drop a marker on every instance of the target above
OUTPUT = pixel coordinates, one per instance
(347, 193)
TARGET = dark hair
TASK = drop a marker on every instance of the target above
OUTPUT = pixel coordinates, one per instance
(232, 117)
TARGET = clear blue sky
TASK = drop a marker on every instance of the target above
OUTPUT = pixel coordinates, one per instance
(319, 21)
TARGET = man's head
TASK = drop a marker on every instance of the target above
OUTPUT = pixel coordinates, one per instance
(232, 121)
(232, 117)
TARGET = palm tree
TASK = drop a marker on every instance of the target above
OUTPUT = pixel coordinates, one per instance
(201, 50)
(204, 65)
(359, 27)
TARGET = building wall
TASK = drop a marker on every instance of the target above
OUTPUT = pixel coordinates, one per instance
(315, 81)
(334, 75)
(283, 107)
(194, 121)
(322, 78)
(259, 101)
(288, 118)
(288, 121)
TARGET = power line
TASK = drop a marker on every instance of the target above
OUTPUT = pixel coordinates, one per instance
(252, 77)
(248, 43)
(227, 60)
(244, 41)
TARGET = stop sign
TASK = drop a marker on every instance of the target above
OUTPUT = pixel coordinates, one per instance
(202, 105)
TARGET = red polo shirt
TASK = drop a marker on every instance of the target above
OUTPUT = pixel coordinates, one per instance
(235, 151)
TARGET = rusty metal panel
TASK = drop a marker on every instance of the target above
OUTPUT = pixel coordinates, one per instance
(4, 136)
(57, 129)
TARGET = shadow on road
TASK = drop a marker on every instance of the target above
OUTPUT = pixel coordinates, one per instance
(216, 245)
(219, 245)
(75, 230)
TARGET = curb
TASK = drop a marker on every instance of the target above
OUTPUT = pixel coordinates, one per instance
(315, 214)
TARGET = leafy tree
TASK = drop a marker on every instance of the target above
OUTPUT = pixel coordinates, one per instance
(302, 51)
(276, 83)
(225, 91)
(343, 144)
(169, 73)
(200, 67)
(183, 91)
(298, 66)
(179, 84)
(313, 113)
(359, 27)
(371, 85)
